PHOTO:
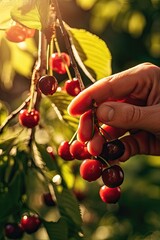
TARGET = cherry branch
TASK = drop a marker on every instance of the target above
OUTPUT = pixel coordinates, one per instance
(68, 45)
(13, 114)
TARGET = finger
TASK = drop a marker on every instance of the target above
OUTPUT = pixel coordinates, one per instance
(85, 128)
(128, 116)
(140, 143)
(136, 81)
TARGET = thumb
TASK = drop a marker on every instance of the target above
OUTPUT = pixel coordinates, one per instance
(128, 116)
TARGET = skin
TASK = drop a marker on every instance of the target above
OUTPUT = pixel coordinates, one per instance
(126, 102)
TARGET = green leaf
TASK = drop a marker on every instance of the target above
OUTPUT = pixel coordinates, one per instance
(91, 53)
(69, 207)
(46, 158)
(33, 14)
(57, 230)
(10, 196)
(60, 101)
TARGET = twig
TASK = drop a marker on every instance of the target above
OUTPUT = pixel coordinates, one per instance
(68, 44)
(14, 113)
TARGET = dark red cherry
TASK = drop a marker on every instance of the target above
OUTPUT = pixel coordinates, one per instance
(112, 150)
(110, 195)
(29, 119)
(64, 151)
(113, 176)
(30, 223)
(59, 61)
(13, 230)
(48, 199)
(79, 150)
(72, 87)
(48, 85)
(90, 169)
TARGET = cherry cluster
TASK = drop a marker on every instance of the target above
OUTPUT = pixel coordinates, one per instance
(94, 167)
(29, 223)
(18, 33)
(48, 85)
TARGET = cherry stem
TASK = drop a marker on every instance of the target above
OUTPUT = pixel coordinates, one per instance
(104, 160)
(68, 45)
(73, 137)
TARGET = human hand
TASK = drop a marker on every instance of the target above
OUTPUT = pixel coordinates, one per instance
(126, 101)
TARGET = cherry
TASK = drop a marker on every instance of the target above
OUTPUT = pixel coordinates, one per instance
(113, 176)
(64, 151)
(72, 87)
(79, 150)
(13, 230)
(90, 169)
(30, 223)
(112, 149)
(16, 33)
(29, 119)
(48, 85)
(59, 61)
(48, 200)
(110, 195)
(30, 32)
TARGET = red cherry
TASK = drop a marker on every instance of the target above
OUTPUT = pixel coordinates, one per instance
(90, 169)
(48, 85)
(64, 151)
(72, 87)
(29, 119)
(30, 223)
(13, 230)
(16, 34)
(110, 195)
(59, 61)
(79, 150)
(48, 200)
(113, 176)
(30, 32)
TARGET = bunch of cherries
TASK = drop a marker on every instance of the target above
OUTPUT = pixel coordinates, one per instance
(94, 167)
(48, 85)
(29, 223)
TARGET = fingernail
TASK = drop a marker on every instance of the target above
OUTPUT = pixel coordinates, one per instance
(105, 113)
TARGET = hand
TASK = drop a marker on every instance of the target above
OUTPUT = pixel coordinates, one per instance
(127, 101)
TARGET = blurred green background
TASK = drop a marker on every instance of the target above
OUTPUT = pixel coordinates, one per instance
(131, 29)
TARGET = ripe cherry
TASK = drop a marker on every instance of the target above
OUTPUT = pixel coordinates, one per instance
(113, 176)
(29, 119)
(110, 195)
(48, 85)
(13, 230)
(90, 169)
(48, 199)
(79, 150)
(16, 33)
(112, 149)
(64, 151)
(29, 32)
(59, 61)
(72, 87)
(30, 223)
